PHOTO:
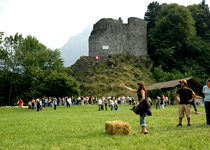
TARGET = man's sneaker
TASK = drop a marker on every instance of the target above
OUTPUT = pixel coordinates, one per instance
(179, 124)
(188, 124)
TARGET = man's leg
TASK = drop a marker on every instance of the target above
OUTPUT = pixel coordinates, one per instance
(194, 105)
(188, 115)
(180, 120)
(181, 114)
(188, 120)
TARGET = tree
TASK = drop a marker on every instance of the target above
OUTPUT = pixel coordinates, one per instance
(205, 7)
(37, 63)
(11, 61)
(152, 14)
(173, 29)
(200, 19)
(59, 85)
(25, 64)
(3, 84)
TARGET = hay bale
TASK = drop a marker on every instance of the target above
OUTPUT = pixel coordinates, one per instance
(117, 127)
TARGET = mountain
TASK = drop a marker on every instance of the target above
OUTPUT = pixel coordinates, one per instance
(75, 47)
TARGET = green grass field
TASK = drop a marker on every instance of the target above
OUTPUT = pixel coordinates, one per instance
(83, 127)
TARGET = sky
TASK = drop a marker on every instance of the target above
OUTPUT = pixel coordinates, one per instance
(53, 22)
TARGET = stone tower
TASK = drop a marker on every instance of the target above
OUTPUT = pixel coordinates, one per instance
(111, 36)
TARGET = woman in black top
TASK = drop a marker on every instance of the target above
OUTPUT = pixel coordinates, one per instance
(145, 106)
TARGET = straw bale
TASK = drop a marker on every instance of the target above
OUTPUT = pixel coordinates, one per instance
(117, 127)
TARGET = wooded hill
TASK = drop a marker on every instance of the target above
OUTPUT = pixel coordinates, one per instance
(104, 78)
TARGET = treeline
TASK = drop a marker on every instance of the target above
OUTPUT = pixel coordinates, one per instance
(29, 69)
(179, 40)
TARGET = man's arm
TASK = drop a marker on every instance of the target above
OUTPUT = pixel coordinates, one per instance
(193, 96)
(175, 96)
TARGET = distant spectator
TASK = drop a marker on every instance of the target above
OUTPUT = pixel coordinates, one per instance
(45, 102)
(79, 100)
(73, 100)
(99, 103)
(123, 100)
(162, 102)
(115, 104)
(40, 102)
(105, 103)
(37, 104)
(158, 102)
(166, 101)
(109, 99)
(112, 105)
(29, 105)
(55, 102)
(69, 102)
(90, 100)
(33, 103)
(129, 100)
(20, 103)
(82, 100)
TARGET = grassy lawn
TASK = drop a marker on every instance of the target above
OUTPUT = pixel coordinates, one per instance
(83, 127)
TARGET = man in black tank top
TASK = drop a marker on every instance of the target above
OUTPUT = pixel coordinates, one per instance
(186, 97)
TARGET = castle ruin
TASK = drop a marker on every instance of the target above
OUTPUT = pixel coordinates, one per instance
(111, 37)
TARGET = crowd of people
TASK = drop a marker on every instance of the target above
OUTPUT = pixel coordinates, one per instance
(185, 100)
(102, 102)
(161, 102)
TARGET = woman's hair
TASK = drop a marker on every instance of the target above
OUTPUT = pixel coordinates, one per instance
(208, 79)
(142, 86)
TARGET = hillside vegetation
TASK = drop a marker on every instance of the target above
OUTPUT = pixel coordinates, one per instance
(104, 79)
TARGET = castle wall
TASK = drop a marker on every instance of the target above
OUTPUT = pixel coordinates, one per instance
(111, 37)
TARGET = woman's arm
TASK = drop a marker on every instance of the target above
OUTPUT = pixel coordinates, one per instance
(196, 96)
(128, 88)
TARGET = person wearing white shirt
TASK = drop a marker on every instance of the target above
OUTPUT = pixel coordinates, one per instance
(99, 103)
(115, 104)
(68, 102)
(166, 101)
(79, 100)
(123, 100)
(206, 94)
